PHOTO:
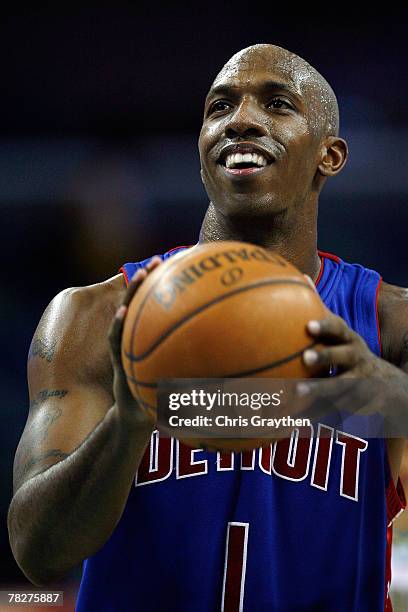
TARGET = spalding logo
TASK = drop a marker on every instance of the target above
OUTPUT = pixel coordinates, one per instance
(231, 276)
(179, 282)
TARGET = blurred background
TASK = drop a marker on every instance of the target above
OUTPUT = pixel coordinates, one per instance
(100, 114)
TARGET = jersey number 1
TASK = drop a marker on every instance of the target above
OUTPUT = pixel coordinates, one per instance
(235, 567)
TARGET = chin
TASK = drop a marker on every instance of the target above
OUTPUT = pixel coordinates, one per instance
(241, 206)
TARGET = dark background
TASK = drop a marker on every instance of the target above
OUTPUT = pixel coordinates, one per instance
(100, 115)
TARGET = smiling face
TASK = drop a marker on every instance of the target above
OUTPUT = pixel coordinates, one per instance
(266, 119)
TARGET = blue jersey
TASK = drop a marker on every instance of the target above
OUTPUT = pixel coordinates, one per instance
(269, 530)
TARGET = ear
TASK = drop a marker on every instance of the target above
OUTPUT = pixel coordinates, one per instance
(334, 155)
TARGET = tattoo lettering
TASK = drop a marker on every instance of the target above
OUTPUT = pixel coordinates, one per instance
(53, 414)
(44, 349)
(55, 452)
(23, 468)
(45, 394)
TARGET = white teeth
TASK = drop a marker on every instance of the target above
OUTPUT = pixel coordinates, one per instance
(233, 159)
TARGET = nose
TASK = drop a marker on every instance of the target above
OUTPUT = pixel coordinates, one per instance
(245, 121)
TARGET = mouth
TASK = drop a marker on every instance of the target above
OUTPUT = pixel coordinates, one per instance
(244, 160)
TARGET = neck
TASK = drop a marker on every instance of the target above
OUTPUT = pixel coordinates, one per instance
(295, 238)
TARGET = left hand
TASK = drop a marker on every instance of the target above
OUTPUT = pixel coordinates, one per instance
(383, 387)
(343, 349)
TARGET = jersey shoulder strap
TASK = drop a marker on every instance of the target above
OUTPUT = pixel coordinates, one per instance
(130, 269)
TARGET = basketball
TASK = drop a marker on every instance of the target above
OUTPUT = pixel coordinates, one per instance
(218, 310)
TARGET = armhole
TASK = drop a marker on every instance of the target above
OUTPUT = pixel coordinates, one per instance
(323, 254)
(395, 499)
(395, 505)
(123, 270)
(319, 276)
(395, 495)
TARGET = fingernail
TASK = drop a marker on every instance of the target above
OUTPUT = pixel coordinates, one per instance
(310, 357)
(138, 274)
(309, 280)
(314, 327)
(302, 389)
(154, 260)
(121, 311)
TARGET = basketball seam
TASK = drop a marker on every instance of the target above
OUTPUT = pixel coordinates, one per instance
(171, 264)
(244, 374)
(168, 332)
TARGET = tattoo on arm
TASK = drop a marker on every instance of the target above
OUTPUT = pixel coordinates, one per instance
(25, 459)
(55, 452)
(22, 467)
(45, 394)
(53, 414)
(42, 348)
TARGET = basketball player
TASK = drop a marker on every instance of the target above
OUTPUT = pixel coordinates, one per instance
(196, 532)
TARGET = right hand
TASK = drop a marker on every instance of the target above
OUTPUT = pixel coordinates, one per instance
(126, 403)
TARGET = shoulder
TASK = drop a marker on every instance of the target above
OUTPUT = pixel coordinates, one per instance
(73, 331)
(393, 321)
(94, 299)
(84, 308)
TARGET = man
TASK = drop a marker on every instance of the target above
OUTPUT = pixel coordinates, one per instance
(197, 532)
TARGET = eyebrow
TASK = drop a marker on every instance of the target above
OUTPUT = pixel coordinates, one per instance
(270, 85)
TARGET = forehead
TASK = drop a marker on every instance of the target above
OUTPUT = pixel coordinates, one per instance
(252, 67)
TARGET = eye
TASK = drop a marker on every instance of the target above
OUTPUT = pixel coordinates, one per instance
(218, 107)
(279, 103)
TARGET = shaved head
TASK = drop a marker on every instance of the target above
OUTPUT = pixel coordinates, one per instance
(269, 138)
(323, 111)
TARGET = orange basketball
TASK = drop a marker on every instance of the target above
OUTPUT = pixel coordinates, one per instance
(218, 310)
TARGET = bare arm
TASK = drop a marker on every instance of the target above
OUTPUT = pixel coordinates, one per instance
(80, 448)
(347, 351)
(393, 319)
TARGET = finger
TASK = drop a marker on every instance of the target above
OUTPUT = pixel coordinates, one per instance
(115, 333)
(332, 330)
(342, 396)
(153, 263)
(343, 357)
(134, 284)
(139, 277)
(310, 282)
(314, 400)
